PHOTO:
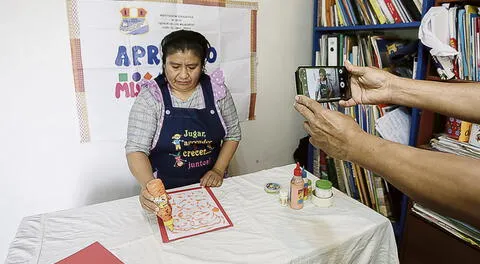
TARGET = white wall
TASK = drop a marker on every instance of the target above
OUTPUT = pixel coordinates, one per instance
(44, 168)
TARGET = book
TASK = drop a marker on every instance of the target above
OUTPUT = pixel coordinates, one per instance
(475, 135)
(464, 131)
(452, 127)
(364, 12)
(340, 172)
(94, 253)
(452, 28)
(388, 14)
(378, 12)
(412, 9)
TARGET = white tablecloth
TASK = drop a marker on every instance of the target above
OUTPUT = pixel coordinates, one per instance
(263, 231)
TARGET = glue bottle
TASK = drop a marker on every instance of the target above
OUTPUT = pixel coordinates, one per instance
(157, 189)
(297, 189)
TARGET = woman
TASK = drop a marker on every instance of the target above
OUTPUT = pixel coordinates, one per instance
(324, 87)
(183, 126)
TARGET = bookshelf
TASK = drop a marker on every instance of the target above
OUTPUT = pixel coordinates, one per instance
(420, 73)
(425, 241)
(410, 25)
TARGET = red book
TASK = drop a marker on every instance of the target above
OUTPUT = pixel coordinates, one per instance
(95, 253)
(393, 11)
(452, 127)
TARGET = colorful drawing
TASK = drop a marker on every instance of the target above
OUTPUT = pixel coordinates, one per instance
(179, 162)
(176, 141)
(195, 211)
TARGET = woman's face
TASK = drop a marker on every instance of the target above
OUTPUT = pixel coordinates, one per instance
(183, 70)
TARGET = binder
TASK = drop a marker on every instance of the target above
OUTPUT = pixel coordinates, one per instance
(332, 45)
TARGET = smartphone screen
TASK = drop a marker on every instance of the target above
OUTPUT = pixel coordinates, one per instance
(323, 83)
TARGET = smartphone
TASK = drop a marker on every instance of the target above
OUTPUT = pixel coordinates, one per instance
(323, 83)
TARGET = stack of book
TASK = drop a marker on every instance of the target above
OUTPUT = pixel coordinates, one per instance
(367, 12)
(449, 142)
(457, 228)
(394, 55)
(444, 143)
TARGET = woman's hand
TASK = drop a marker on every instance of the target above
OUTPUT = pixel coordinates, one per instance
(331, 131)
(212, 179)
(146, 200)
(369, 85)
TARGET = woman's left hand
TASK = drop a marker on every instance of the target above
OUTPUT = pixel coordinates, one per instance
(211, 179)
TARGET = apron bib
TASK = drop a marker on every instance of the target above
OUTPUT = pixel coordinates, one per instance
(190, 139)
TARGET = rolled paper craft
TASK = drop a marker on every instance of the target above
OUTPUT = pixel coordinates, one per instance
(160, 198)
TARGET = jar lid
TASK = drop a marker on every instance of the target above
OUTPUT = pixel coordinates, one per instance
(272, 187)
(323, 184)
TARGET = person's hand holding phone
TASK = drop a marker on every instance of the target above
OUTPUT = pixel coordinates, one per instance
(369, 85)
(332, 131)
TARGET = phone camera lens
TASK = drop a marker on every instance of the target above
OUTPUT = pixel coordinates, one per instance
(340, 71)
(342, 84)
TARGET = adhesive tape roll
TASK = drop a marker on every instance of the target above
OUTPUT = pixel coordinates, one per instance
(322, 202)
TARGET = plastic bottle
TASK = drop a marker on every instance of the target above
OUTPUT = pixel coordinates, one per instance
(283, 196)
(297, 189)
(157, 189)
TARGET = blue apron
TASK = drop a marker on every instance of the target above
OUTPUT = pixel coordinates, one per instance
(190, 139)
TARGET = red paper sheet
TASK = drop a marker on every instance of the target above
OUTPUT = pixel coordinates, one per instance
(95, 253)
(195, 211)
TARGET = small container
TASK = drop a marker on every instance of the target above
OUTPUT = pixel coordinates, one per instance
(272, 187)
(323, 189)
(283, 196)
(322, 202)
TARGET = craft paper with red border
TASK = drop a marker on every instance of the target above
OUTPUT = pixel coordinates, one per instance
(195, 211)
(94, 253)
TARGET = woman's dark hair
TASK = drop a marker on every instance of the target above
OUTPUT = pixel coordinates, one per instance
(183, 40)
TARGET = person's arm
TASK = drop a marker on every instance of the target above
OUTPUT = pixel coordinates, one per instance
(140, 133)
(226, 154)
(374, 86)
(214, 177)
(444, 182)
(140, 167)
(461, 100)
(447, 183)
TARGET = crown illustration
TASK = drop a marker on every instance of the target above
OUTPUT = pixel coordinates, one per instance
(141, 13)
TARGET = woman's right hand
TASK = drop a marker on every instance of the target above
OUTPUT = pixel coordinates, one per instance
(369, 85)
(146, 200)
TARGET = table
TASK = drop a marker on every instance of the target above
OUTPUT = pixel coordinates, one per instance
(263, 231)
